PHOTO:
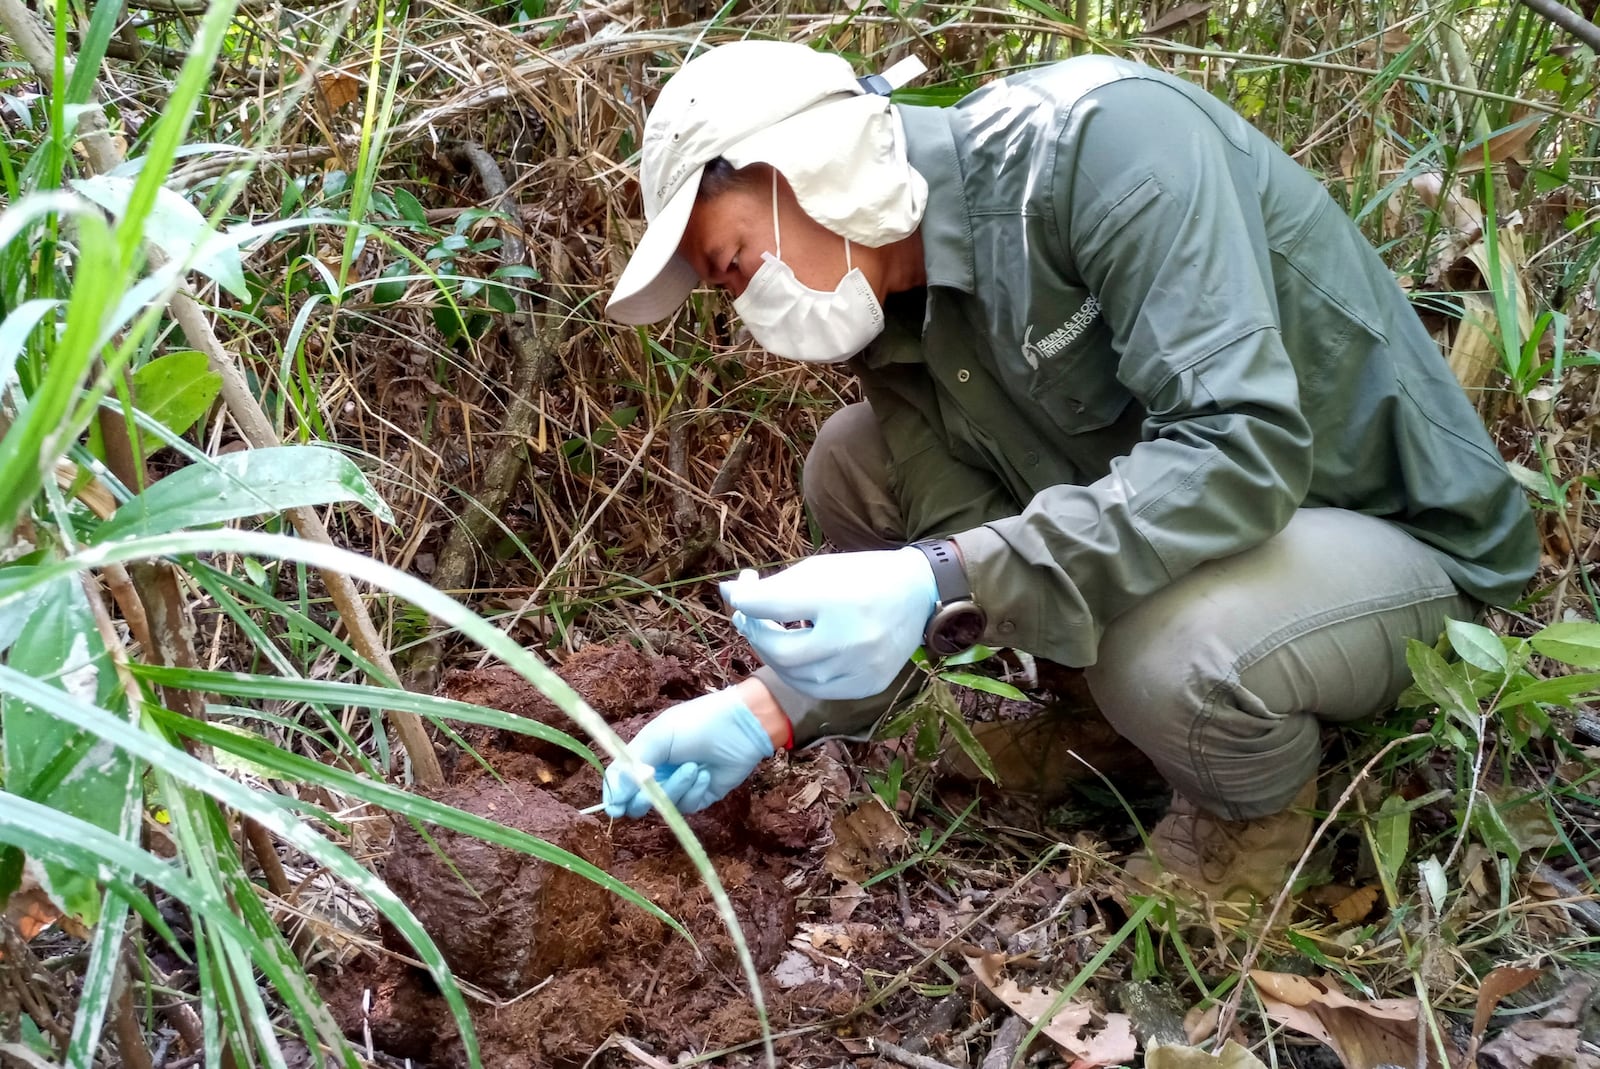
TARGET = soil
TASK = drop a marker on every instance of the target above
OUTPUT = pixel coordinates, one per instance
(558, 966)
(570, 963)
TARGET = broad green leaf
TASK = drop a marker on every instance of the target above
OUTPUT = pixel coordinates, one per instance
(957, 726)
(1491, 828)
(986, 684)
(1576, 643)
(15, 618)
(52, 762)
(246, 483)
(1557, 690)
(1443, 684)
(1477, 645)
(174, 226)
(967, 656)
(176, 390)
(1391, 834)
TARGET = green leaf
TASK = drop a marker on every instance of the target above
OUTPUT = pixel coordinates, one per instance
(1477, 645)
(988, 685)
(174, 226)
(52, 762)
(175, 390)
(1558, 690)
(967, 656)
(1576, 643)
(246, 483)
(1391, 835)
(957, 726)
(393, 286)
(410, 207)
(1491, 828)
(1444, 684)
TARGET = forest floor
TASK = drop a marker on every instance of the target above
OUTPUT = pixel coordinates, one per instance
(873, 924)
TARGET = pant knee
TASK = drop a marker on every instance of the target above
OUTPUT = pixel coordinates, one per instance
(1179, 698)
(845, 482)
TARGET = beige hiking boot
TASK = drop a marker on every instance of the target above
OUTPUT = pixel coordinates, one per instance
(1232, 861)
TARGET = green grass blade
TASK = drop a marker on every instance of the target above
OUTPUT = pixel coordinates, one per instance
(299, 769)
(453, 614)
(274, 688)
(266, 810)
(99, 978)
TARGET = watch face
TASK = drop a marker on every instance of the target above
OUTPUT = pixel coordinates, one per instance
(955, 628)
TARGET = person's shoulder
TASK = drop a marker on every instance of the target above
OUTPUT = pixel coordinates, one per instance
(1058, 83)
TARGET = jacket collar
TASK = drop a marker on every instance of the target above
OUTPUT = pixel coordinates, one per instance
(946, 226)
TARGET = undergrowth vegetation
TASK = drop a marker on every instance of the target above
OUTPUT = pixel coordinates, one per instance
(306, 399)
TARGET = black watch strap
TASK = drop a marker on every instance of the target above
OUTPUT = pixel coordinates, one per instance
(949, 577)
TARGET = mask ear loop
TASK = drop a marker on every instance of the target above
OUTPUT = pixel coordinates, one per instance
(777, 235)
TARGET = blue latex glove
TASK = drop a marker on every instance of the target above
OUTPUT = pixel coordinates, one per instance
(700, 749)
(867, 612)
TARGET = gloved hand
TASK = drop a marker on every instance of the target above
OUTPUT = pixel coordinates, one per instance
(701, 749)
(867, 613)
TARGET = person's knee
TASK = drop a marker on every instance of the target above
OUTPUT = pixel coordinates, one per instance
(845, 482)
(1173, 688)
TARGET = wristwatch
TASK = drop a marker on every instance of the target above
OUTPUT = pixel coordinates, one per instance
(958, 622)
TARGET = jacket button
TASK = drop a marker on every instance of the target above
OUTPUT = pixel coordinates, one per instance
(1006, 627)
(963, 375)
(1077, 408)
(1030, 458)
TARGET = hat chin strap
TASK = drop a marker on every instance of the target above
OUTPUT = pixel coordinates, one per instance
(777, 231)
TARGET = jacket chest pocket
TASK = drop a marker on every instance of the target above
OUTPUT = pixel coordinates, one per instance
(1076, 386)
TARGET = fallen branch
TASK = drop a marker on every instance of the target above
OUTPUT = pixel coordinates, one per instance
(1568, 20)
(900, 1056)
(1006, 1042)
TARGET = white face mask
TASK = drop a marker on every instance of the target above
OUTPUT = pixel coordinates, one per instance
(790, 319)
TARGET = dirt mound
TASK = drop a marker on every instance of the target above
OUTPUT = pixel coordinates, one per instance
(470, 902)
(576, 964)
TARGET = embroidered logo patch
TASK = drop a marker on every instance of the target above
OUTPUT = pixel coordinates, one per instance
(1064, 335)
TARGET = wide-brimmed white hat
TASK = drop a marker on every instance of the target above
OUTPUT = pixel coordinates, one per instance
(836, 141)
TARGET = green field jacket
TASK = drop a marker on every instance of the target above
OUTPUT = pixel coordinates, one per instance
(1163, 336)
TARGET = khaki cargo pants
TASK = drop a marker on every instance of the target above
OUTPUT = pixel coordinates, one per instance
(1222, 677)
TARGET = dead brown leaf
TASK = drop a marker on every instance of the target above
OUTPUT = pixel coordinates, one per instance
(1394, 40)
(338, 89)
(1200, 1024)
(1364, 1034)
(1503, 981)
(1232, 1056)
(865, 841)
(1508, 144)
(1553, 1042)
(31, 911)
(1356, 906)
(1069, 1026)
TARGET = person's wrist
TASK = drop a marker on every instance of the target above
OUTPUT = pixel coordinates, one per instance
(927, 585)
(768, 713)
